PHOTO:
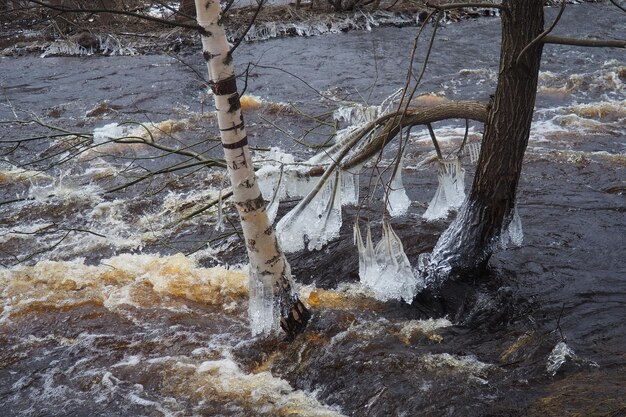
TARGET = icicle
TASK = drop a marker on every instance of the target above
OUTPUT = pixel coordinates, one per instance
(350, 187)
(397, 201)
(450, 192)
(473, 150)
(386, 269)
(312, 225)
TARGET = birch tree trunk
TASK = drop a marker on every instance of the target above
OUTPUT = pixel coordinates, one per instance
(468, 243)
(273, 300)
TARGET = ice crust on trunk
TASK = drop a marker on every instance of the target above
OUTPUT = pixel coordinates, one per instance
(261, 304)
(398, 202)
(450, 192)
(513, 233)
(385, 269)
(311, 226)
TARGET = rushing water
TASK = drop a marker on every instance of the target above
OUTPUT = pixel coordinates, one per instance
(101, 314)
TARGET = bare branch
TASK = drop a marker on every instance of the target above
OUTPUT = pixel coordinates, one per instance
(453, 6)
(618, 6)
(596, 43)
(64, 9)
(542, 34)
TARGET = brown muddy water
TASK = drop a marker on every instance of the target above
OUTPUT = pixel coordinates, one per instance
(114, 305)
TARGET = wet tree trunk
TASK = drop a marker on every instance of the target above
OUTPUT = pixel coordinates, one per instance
(272, 297)
(466, 246)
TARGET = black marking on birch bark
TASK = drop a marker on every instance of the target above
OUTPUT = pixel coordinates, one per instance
(274, 260)
(251, 243)
(234, 103)
(208, 4)
(225, 86)
(296, 319)
(248, 183)
(204, 32)
(236, 127)
(253, 204)
(209, 56)
(239, 144)
(239, 161)
(268, 231)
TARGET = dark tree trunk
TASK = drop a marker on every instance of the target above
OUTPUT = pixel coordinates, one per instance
(466, 246)
(187, 8)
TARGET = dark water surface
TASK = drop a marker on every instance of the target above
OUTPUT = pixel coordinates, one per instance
(101, 314)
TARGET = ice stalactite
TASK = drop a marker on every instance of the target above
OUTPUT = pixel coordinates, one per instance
(350, 187)
(398, 202)
(385, 269)
(513, 233)
(473, 150)
(314, 224)
(450, 192)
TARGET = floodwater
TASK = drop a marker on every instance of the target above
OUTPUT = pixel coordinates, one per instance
(115, 304)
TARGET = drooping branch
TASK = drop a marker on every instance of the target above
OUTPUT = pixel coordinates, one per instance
(596, 43)
(471, 110)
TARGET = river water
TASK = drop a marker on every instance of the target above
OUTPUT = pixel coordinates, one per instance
(103, 314)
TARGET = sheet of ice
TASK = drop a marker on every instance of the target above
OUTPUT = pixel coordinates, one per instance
(386, 269)
(350, 187)
(450, 192)
(312, 225)
(398, 202)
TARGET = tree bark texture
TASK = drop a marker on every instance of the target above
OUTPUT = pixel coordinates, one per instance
(466, 246)
(271, 286)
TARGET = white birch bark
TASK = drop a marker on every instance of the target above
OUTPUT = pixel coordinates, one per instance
(273, 301)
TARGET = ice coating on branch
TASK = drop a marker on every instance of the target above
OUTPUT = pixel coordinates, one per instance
(261, 303)
(450, 192)
(514, 232)
(386, 269)
(312, 225)
(398, 202)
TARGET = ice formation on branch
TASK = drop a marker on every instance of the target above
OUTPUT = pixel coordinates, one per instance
(397, 201)
(450, 192)
(281, 177)
(312, 225)
(386, 269)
